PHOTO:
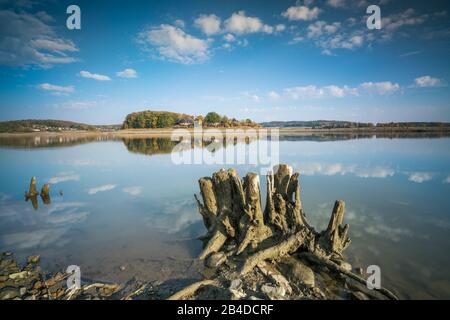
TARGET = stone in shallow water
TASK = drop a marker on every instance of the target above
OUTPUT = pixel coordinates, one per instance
(8, 293)
(33, 259)
(18, 275)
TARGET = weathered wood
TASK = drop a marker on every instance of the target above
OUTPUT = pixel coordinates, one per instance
(335, 267)
(335, 239)
(32, 191)
(191, 289)
(45, 194)
(240, 230)
(285, 247)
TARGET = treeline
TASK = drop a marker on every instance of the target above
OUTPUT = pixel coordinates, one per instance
(43, 125)
(163, 119)
(330, 124)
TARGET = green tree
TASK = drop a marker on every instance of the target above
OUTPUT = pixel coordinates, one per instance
(165, 121)
(212, 117)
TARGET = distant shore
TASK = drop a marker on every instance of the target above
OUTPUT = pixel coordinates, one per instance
(282, 131)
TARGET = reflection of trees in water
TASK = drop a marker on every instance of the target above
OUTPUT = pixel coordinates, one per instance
(151, 146)
(165, 145)
(355, 135)
(29, 142)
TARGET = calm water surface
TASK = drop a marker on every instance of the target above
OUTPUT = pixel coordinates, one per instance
(123, 203)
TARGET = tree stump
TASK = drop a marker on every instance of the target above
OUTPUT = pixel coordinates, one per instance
(233, 214)
(242, 238)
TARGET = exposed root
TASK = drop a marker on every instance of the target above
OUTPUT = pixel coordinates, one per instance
(242, 237)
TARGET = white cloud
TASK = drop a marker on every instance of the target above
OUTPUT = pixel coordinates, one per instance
(380, 87)
(331, 169)
(106, 187)
(391, 24)
(229, 37)
(406, 18)
(54, 45)
(55, 89)
(340, 92)
(427, 81)
(307, 92)
(209, 24)
(175, 45)
(419, 177)
(447, 180)
(239, 24)
(274, 95)
(319, 28)
(313, 92)
(64, 178)
(180, 23)
(95, 76)
(336, 3)
(280, 27)
(134, 191)
(296, 13)
(127, 73)
(28, 39)
(252, 96)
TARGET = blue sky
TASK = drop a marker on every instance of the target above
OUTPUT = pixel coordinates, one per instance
(264, 60)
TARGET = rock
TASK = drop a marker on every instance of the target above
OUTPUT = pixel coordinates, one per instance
(236, 290)
(22, 291)
(237, 294)
(9, 293)
(38, 285)
(215, 260)
(254, 298)
(299, 272)
(273, 292)
(18, 275)
(236, 284)
(33, 259)
(122, 268)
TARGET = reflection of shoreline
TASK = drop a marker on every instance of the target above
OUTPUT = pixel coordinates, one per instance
(65, 139)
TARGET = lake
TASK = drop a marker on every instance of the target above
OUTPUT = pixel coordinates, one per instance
(121, 208)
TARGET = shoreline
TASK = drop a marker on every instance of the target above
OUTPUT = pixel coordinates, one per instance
(163, 133)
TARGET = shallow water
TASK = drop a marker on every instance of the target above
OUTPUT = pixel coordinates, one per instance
(124, 203)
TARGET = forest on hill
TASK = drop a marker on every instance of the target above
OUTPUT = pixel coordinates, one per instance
(164, 119)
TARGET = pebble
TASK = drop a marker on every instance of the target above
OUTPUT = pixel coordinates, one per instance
(33, 259)
(273, 292)
(22, 291)
(236, 284)
(9, 293)
(18, 275)
(302, 273)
